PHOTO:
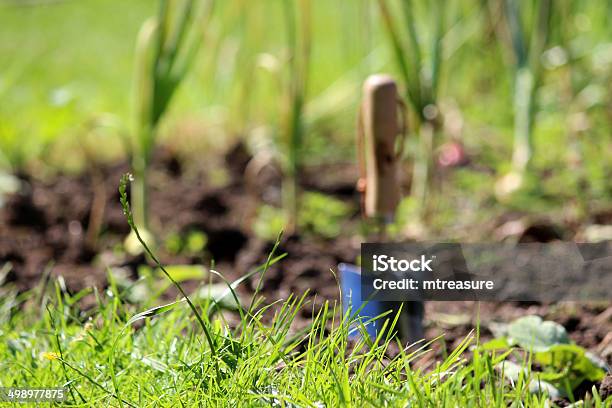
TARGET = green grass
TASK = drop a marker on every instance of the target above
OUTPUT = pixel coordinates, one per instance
(161, 358)
(124, 353)
(241, 352)
(62, 64)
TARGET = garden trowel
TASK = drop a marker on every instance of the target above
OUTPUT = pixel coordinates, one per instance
(380, 130)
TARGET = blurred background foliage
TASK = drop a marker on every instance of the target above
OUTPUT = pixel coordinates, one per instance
(66, 71)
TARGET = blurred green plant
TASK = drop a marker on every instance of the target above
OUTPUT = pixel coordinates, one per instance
(298, 36)
(193, 242)
(165, 49)
(323, 214)
(563, 365)
(319, 214)
(527, 38)
(269, 221)
(420, 71)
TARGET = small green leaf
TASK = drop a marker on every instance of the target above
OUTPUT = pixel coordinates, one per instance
(496, 344)
(532, 333)
(196, 241)
(173, 244)
(181, 273)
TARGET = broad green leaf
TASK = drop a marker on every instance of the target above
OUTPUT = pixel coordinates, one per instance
(598, 361)
(532, 333)
(574, 360)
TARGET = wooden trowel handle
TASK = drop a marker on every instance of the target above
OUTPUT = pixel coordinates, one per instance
(377, 135)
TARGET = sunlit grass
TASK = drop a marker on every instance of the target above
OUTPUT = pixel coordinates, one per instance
(109, 354)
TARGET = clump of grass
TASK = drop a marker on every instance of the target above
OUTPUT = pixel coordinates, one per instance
(166, 47)
(264, 361)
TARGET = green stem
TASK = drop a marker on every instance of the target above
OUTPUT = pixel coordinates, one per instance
(289, 187)
(421, 176)
(298, 44)
(524, 94)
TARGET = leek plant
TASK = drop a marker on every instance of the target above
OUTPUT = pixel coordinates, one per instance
(528, 26)
(165, 49)
(419, 64)
(298, 37)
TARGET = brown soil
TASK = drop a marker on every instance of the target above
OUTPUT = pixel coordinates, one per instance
(605, 389)
(45, 226)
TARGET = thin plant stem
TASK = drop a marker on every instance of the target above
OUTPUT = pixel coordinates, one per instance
(125, 179)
